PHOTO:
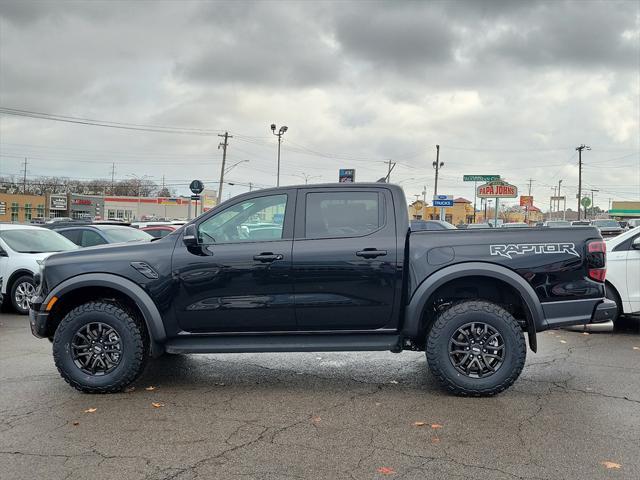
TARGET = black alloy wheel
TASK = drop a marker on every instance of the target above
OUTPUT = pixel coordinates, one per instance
(476, 350)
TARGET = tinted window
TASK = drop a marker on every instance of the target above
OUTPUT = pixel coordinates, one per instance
(118, 234)
(156, 233)
(257, 219)
(91, 238)
(342, 214)
(73, 235)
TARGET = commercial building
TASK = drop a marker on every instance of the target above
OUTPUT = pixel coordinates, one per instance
(21, 208)
(625, 210)
(461, 212)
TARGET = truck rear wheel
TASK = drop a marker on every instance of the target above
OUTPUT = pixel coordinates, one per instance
(99, 347)
(476, 348)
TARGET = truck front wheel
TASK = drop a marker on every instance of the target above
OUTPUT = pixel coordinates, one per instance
(99, 347)
(476, 348)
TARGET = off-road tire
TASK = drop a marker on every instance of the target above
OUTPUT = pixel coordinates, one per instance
(134, 347)
(22, 279)
(444, 327)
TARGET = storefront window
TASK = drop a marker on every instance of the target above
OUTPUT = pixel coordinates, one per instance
(40, 210)
(15, 208)
(27, 211)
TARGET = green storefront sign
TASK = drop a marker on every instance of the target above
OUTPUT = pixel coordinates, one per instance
(480, 178)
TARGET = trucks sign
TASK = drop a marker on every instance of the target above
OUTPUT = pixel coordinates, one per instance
(497, 189)
(443, 200)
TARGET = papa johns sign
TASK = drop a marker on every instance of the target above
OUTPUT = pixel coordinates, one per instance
(497, 190)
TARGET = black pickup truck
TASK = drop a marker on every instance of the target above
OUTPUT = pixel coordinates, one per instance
(319, 268)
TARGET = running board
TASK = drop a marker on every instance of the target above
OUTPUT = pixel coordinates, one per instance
(285, 343)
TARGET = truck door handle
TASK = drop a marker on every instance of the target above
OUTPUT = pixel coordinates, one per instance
(267, 257)
(371, 253)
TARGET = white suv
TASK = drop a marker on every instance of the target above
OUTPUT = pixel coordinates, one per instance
(623, 271)
(22, 249)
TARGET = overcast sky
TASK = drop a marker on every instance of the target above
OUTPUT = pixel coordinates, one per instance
(505, 87)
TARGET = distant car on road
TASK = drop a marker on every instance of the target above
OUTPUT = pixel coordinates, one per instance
(557, 224)
(635, 222)
(623, 272)
(22, 250)
(473, 226)
(420, 225)
(581, 223)
(101, 234)
(608, 227)
(515, 225)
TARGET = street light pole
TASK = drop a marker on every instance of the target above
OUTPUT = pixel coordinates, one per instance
(281, 132)
(437, 165)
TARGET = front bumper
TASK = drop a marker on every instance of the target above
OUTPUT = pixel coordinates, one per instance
(38, 319)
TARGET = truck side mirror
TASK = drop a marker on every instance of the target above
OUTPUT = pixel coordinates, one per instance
(636, 243)
(190, 236)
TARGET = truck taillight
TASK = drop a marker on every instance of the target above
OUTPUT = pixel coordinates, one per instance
(596, 260)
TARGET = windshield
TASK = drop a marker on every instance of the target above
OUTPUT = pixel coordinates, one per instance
(117, 234)
(606, 223)
(36, 240)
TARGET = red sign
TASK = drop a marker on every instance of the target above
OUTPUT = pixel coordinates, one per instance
(526, 201)
(81, 201)
(497, 189)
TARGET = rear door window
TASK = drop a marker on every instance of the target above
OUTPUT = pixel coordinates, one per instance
(342, 214)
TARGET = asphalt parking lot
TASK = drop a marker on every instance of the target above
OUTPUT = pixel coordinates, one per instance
(574, 414)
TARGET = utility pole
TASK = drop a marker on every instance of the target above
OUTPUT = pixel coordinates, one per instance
(526, 208)
(392, 165)
(424, 194)
(24, 178)
(113, 175)
(437, 165)
(250, 186)
(580, 149)
(558, 197)
(224, 146)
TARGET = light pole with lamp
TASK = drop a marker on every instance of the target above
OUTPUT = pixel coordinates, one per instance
(281, 132)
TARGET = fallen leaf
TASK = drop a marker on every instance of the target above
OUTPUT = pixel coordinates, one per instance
(436, 426)
(386, 470)
(395, 382)
(315, 419)
(611, 465)
(563, 341)
(150, 388)
(435, 440)
(157, 405)
(76, 423)
(129, 389)
(419, 424)
(90, 410)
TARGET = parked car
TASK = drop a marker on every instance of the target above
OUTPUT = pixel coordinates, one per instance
(557, 224)
(623, 272)
(634, 222)
(345, 273)
(100, 234)
(159, 231)
(623, 224)
(607, 227)
(515, 225)
(419, 225)
(22, 250)
(581, 223)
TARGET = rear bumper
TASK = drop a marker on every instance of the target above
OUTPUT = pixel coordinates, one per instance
(578, 312)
